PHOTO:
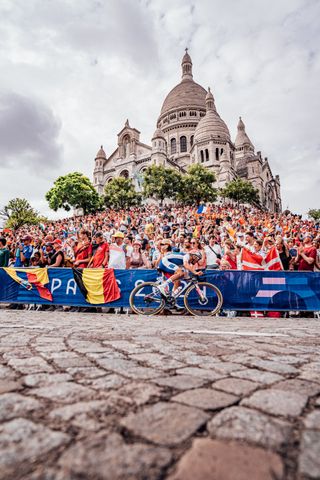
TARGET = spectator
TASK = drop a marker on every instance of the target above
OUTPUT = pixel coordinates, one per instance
(213, 253)
(57, 259)
(83, 251)
(137, 258)
(100, 256)
(284, 254)
(118, 253)
(307, 255)
(25, 250)
(4, 253)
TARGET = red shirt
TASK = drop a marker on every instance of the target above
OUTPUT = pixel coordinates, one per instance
(99, 255)
(83, 252)
(233, 263)
(310, 252)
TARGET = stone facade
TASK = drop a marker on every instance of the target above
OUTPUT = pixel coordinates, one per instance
(189, 131)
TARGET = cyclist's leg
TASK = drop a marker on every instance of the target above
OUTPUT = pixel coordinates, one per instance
(176, 274)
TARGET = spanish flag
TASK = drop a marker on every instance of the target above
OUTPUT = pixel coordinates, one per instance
(97, 285)
(37, 278)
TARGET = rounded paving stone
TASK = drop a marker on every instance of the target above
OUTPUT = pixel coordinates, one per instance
(215, 460)
(205, 398)
(165, 423)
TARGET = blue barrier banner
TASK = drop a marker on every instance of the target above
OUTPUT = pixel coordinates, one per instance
(241, 290)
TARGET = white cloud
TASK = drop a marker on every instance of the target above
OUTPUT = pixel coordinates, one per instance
(82, 67)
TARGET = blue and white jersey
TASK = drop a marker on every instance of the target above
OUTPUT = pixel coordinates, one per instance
(172, 261)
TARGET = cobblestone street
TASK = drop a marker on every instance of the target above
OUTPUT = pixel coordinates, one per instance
(93, 396)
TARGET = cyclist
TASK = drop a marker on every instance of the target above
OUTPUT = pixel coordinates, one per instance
(178, 265)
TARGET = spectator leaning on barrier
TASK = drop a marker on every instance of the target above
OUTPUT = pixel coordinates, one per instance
(100, 257)
(307, 255)
(213, 253)
(118, 253)
(83, 251)
(4, 253)
(57, 259)
(138, 259)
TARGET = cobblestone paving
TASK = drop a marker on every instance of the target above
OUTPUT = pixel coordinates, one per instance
(93, 396)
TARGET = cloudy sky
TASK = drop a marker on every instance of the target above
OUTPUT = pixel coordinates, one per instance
(72, 71)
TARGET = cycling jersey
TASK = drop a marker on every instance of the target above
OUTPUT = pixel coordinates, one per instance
(172, 261)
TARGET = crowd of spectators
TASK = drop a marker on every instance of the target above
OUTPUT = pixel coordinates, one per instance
(139, 237)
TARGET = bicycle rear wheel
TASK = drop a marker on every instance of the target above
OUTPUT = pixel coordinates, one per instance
(146, 299)
(203, 298)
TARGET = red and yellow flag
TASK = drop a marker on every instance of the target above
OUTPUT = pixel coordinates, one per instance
(37, 278)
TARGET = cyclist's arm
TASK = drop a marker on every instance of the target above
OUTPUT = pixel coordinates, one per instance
(157, 260)
(191, 268)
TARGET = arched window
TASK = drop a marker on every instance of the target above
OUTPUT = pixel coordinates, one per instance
(183, 144)
(191, 140)
(217, 153)
(124, 174)
(173, 144)
(207, 154)
(202, 156)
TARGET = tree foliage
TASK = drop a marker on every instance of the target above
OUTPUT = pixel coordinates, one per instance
(73, 190)
(160, 182)
(314, 213)
(18, 212)
(242, 191)
(120, 193)
(197, 186)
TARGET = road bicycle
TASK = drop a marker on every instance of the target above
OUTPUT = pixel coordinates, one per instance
(199, 298)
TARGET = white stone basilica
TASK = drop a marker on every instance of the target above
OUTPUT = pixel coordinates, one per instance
(190, 130)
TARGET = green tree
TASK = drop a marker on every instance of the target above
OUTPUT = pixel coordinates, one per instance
(73, 190)
(197, 186)
(242, 191)
(18, 212)
(314, 213)
(160, 182)
(120, 193)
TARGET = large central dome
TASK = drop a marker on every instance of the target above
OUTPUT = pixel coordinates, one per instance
(187, 94)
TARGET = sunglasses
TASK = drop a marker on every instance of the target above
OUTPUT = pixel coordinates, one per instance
(193, 242)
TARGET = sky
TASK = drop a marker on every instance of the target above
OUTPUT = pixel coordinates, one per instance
(73, 71)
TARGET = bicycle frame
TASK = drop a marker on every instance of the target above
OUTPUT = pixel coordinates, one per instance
(188, 282)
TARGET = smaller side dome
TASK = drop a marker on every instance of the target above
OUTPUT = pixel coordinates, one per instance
(211, 125)
(158, 134)
(101, 153)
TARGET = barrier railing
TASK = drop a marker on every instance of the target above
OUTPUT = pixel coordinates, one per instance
(241, 290)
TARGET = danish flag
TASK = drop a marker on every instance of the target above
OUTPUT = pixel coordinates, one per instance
(251, 261)
(254, 261)
(272, 260)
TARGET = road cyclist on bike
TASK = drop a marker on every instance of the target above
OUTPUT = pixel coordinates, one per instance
(176, 266)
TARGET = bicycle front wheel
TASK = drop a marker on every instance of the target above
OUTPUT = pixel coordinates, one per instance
(146, 299)
(203, 298)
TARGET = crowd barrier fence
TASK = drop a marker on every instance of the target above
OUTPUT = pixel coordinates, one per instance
(241, 290)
